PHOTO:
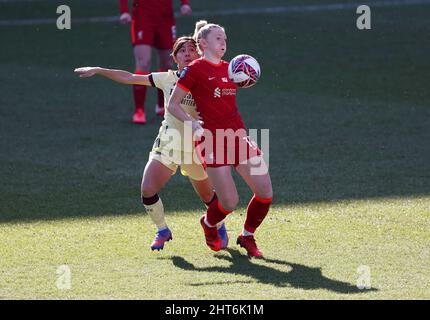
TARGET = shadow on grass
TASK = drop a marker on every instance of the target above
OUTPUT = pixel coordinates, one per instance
(299, 276)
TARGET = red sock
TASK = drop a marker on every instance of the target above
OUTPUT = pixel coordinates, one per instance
(216, 213)
(256, 212)
(160, 93)
(139, 93)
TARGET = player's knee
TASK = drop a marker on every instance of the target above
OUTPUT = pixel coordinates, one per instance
(143, 64)
(165, 61)
(268, 192)
(230, 203)
(147, 193)
(165, 64)
(265, 191)
(206, 196)
(148, 190)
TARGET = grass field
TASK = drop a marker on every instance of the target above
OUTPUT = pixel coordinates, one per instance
(349, 119)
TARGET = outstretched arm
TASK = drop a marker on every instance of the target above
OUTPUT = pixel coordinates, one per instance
(120, 76)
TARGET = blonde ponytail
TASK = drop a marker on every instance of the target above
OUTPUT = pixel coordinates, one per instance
(199, 24)
(202, 30)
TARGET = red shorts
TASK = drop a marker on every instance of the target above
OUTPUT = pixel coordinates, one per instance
(157, 34)
(219, 153)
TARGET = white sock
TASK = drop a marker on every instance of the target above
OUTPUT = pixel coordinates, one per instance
(156, 212)
(246, 233)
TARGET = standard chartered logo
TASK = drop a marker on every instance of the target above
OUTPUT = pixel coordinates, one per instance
(224, 92)
(217, 93)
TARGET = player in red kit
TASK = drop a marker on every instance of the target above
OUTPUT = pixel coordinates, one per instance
(215, 97)
(152, 26)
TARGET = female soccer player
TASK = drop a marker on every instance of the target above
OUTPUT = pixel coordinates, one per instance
(161, 166)
(152, 26)
(215, 96)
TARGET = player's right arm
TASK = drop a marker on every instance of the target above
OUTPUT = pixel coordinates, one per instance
(187, 80)
(185, 8)
(174, 107)
(120, 76)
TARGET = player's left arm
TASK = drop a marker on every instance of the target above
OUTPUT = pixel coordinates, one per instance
(186, 8)
(120, 76)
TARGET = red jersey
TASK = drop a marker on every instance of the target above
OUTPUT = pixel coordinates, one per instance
(214, 94)
(151, 8)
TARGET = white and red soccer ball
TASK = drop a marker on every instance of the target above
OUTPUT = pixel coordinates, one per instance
(244, 70)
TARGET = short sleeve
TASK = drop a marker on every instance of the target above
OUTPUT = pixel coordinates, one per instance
(159, 79)
(187, 79)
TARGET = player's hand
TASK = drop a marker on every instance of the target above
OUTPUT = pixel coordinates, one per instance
(197, 128)
(186, 10)
(125, 18)
(86, 72)
(198, 117)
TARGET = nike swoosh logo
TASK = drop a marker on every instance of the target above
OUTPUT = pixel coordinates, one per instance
(211, 78)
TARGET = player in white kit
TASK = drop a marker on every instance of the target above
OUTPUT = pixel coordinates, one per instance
(162, 164)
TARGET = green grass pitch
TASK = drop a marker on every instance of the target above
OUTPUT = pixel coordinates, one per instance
(349, 119)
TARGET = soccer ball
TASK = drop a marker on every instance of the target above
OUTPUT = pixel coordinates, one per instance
(244, 70)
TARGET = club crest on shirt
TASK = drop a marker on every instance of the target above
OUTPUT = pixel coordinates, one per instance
(184, 72)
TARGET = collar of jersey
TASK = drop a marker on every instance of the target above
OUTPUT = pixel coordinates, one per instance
(211, 63)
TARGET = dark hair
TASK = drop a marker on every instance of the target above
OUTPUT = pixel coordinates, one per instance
(180, 42)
